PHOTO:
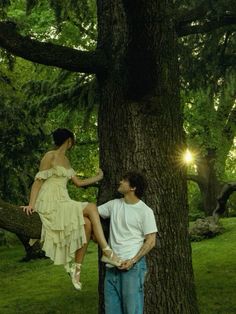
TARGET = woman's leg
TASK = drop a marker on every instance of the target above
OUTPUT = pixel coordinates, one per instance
(79, 256)
(92, 221)
(91, 212)
(80, 253)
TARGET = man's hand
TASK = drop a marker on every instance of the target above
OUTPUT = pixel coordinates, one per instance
(126, 265)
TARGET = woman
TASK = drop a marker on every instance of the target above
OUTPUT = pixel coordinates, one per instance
(63, 219)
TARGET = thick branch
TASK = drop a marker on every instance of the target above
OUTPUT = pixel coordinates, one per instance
(231, 123)
(13, 219)
(195, 178)
(50, 54)
(228, 132)
(187, 16)
(226, 191)
(204, 26)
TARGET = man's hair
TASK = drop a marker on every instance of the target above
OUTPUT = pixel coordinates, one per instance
(60, 135)
(137, 181)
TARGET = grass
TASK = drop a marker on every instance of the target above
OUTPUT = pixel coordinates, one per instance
(39, 287)
(214, 263)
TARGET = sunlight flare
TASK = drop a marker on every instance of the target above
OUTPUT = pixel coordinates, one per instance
(188, 157)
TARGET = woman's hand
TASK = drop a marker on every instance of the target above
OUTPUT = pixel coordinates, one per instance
(28, 209)
(100, 174)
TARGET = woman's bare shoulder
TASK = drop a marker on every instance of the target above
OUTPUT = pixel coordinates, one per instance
(47, 160)
(50, 154)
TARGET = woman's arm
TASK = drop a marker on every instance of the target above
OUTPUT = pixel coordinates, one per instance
(83, 182)
(36, 186)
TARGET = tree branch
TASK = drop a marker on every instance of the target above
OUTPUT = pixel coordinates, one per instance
(195, 178)
(187, 16)
(198, 25)
(225, 193)
(229, 129)
(13, 219)
(50, 54)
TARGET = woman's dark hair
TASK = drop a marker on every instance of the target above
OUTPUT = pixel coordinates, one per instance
(137, 181)
(61, 135)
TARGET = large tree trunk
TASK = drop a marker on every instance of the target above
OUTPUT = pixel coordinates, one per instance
(140, 127)
(210, 185)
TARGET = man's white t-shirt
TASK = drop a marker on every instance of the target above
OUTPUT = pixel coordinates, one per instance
(129, 223)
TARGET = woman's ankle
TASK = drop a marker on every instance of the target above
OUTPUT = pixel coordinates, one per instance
(107, 250)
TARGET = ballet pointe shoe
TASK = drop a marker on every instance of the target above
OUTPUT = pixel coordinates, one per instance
(112, 258)
(74, 272)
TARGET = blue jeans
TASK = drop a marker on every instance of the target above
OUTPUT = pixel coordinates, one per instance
(124, 290)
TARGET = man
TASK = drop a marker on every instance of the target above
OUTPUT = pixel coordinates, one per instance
(132, 235)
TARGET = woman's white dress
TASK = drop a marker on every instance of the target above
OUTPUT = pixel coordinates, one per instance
(62, 218)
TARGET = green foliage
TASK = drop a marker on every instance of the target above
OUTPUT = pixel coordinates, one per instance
(32, 106)
(3, 7)
(71, 23)
(84, 155)
(231, 211)
(208, 97)
(209, 122)
(37, 99)
(21, 131)
(194, 201)
(208, 94)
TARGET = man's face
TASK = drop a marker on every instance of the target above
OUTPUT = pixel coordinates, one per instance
(124, 187)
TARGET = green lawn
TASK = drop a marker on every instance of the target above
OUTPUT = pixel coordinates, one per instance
(38, 287)
(214, 263)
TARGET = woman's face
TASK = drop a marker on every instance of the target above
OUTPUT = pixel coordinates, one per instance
(71, 142)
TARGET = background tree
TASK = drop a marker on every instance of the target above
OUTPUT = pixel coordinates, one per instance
(209, 97)
(140, 117)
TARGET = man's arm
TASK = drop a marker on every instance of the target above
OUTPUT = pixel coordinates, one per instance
(149, 243)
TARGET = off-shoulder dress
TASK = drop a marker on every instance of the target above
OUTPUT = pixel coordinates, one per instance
(62, 218)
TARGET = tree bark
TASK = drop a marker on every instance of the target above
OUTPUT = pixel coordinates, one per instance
(140, 127)
(210, 185)
(222, 199)
(49, 53)
(13, 219)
